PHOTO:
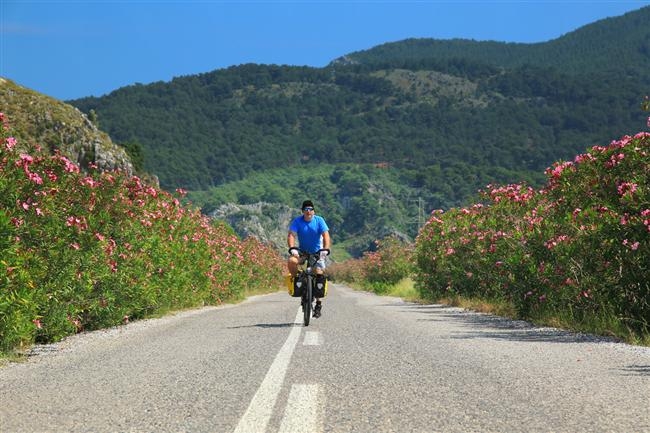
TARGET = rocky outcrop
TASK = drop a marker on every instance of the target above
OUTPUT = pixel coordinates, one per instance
(267, 222)
(38, 120)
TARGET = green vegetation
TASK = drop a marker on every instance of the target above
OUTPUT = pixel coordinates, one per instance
(355, 199)
(617, 45)
(447, 117)
(517, 121)
(575, 252)
(385, 270)
(361, 202)
(82, 251)
(56, 127)
(136, 154)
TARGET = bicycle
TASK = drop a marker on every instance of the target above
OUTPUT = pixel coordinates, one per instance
(307, 281)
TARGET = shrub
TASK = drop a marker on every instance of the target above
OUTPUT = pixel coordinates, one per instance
(577, 248)
(377, 270)
(82, 251)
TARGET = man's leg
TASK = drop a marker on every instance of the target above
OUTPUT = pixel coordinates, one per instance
(292, 265)
(319, 305)
(317, 308)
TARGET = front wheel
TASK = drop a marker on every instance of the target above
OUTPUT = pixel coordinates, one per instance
(307, 301)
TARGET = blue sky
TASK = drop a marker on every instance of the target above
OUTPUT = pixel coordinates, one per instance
(71, 49)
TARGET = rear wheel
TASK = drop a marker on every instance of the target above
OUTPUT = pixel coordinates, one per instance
(307, 301)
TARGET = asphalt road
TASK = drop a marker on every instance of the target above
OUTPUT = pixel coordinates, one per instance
(369, 364)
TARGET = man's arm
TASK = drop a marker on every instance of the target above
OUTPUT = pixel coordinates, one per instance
(291, 239)
(326, 240)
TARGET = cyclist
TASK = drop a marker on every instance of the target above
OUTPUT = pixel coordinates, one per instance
(312, 233)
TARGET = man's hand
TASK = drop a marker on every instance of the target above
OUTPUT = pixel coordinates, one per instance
(324, 253)
(294, 251)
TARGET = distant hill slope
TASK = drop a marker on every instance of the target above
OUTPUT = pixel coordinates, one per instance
(202, 130)
(447, 117)
(613, 45)
(40, 120)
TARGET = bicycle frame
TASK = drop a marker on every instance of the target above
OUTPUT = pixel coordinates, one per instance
(308, 277)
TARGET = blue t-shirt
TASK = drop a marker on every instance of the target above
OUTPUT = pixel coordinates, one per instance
(310, 234)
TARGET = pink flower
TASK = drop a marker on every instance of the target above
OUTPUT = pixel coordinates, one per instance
(558, 168)
(74, 246)
(584, 157)
(624, 219)
(76, 322)
(38, 324)
(10, 142)
(554, 242)
(633, 246)
(626, 187)
(25, 159)
(69, 166)
(72, 221)
(90, 182)
(614, 160)
(35, 178)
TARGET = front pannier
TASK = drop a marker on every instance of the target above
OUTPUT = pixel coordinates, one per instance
(295, 285)
(320, 290)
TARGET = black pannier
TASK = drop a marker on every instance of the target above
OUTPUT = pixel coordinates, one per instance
(320, 289)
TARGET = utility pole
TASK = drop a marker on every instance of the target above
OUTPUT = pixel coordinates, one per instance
(420, 213)
(419, 219)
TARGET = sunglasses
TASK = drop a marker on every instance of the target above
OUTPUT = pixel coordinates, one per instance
(307, 209)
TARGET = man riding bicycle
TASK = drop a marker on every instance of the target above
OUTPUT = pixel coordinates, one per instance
(312, 233)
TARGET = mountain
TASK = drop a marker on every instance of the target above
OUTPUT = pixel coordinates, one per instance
(442, 118)
(613, 45)
(38, 120)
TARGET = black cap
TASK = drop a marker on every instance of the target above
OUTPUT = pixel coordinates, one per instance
(307, 203)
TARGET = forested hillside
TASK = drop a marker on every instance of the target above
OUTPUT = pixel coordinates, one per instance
(445, 117)
(620, 44)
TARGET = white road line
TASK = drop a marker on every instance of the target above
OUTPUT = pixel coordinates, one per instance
(303, 413)
(312, 338)
(260, 409)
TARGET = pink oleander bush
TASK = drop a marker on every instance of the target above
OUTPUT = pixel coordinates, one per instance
(82, 251)
(579, 248)
(377, 270)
